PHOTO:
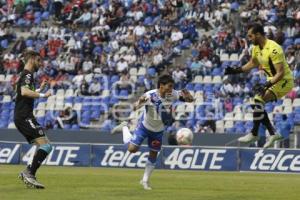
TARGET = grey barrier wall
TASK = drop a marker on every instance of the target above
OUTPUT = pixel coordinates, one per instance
(93, 136)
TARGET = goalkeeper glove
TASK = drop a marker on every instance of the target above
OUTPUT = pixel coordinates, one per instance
(231, 70)
(261, 89)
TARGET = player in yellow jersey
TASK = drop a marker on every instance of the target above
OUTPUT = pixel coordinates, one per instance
(270, 57)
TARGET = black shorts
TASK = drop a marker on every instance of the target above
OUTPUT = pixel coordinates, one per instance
(29, 128)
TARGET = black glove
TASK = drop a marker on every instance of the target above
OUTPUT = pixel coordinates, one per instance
(231, 70)
(261, 89)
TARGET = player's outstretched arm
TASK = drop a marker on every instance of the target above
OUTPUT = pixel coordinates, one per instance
(247, 67)
(32, 94)
(141, 102)
(279, 73)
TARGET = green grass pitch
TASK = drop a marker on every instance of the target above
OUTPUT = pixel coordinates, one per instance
(72, 183)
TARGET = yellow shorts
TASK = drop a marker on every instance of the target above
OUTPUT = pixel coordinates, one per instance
(280, 89)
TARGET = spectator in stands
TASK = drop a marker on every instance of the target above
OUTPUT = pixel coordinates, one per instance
(87, 65)
(57, 8)
(171, 131)
(291, 60)
(48, 125)
(139, 30)
(148, 83)
(285, 129)
(262, 136)
(84, 18)
(67, 116)
(178, 77)
(209, 125)
(125, 83)
(84, 88)
(207, 65)
(187, 71)
(108, 40)
(19, 46)
(95, 88)
(176, 35)
(196, 67)
(228, 105)
(237, 90)
(226, 88)
(122, 65)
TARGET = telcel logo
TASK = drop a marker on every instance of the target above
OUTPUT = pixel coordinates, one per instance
(270, 161)
(7, 154)
(119, 158)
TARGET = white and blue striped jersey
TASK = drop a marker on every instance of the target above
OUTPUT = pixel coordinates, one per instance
(158, 111)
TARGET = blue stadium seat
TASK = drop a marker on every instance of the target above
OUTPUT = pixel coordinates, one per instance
(189, 86)
(113, 100)
(208, 88)
(69, 100)
(148, 21)
(198, 87)
(29, 43)
(37, 14)
(195, 53)
(95, 114)
(288, 42)
(4, 44)
(106, 100)
(216, 71)
(86, 107)
(37, 21)
(151, 72)
(230, 130)
(67, 126)
(21, 22)
(41, 120)
(114, 78)
(78, 99)
(185, 44)
(297, 41)
(240, 129)
(123, 94)
(97, 50)
(297, 118)
(269, 107)
(45, 15)
(75, 127)
(297, 110)
(225, 64)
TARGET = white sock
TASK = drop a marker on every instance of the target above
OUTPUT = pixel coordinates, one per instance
(126, 135)
(148, 171)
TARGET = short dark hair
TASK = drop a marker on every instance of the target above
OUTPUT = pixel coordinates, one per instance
(164, 79)
(29, 54)
(256, 28)
(284, 117)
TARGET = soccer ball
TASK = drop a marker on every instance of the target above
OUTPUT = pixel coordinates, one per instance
(184, 136)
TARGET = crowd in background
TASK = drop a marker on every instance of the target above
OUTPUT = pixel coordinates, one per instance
(80, 41)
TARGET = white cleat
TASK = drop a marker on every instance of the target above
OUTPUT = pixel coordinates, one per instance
(248, 138)
(272, 139)
(145, 185)
(118, 129)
